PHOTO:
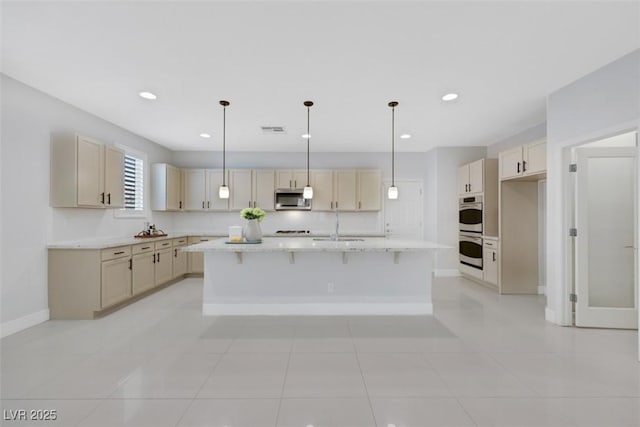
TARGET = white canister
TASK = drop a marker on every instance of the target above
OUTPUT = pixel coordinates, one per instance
(235, 234)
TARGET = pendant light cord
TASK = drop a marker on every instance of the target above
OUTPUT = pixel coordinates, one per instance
(224, 137)
(308, 140)
(393, 143)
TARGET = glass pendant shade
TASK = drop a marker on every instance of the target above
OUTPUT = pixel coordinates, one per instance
(223, 192)
(307, 193)
(393, 192)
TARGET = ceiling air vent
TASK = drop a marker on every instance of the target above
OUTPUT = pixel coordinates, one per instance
(273, 130)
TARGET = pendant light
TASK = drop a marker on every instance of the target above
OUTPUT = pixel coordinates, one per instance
(307, 193)
(223, 192)
(393, 190)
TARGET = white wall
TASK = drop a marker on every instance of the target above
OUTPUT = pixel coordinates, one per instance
(599, 105)
(29, 117)
(527, 136)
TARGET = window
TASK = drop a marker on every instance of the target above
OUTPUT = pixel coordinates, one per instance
(133, 184)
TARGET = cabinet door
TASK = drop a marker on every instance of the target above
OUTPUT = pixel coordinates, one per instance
(195, 260)
(322, 183)
(299, 178)
(194, 189)
(116, 281)
(179, 262)
(463, 179)
(143, 272)
(240, 188)
(174, 188)
(264, 187)
(510, 163)
(284, 179)
(490, 265)
(90, 173)
(164, 266)
(345, 190)
(535, 156)
(214, 181)
(476, 174)
(369, 188)
(114, 177)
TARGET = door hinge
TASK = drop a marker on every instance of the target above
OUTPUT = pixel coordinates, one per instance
(573, 167)
(573, 297)
(573, 232)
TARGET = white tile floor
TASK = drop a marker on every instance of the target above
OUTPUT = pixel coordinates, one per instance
(483, 359)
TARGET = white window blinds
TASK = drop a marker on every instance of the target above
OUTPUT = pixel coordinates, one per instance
(133, 183)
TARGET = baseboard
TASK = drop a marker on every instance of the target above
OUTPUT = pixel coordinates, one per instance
(22, 323)
(446, 272)
(320, 309)
(542, 290)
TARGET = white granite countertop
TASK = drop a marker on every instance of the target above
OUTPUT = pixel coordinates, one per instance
(112, 242)
(109, 242)
(309, 244)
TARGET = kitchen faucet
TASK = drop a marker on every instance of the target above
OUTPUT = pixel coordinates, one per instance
(336, 237)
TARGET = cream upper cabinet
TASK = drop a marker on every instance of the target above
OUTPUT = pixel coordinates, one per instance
(85, 173)
(345, 190)
(526, 160)
(322, 184)
(166, 187)
(286, 178)
(90, 173)
(510, 163)
(535, 158)
(369, 190)
(263, 189)
(214, 181)
(114, 177)
(240, 189)
(471, 178)
(116, 281)
(195, 189)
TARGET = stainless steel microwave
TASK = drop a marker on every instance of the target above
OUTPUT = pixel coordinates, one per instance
(291, 199)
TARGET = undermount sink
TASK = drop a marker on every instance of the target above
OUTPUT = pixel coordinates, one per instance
(340, 239)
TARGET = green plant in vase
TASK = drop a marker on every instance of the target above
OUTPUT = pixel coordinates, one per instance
(252, 231)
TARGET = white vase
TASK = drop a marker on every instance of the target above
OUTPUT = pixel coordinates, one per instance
(252, 231)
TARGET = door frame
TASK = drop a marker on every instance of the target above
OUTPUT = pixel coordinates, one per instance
(568, 285)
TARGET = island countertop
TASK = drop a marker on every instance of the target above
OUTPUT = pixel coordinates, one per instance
(308, 244)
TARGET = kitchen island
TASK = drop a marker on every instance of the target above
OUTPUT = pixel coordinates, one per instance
(307, 276)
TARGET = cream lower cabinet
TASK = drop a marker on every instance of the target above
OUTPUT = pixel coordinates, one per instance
(116, 281)
(490, 261)
(163, 266)
(179, 257)
(143, 274)
(196, 259)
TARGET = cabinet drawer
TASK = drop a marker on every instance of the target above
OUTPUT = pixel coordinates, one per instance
(141, 248)
(490, 244)
(163, 244)
(113, 253)
(182, 241)
(198, 239)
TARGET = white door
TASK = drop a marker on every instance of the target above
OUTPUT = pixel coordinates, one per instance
(605, 258)
(403, 216)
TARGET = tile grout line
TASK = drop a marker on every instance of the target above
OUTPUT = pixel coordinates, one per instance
(364, 383)
(284, 383)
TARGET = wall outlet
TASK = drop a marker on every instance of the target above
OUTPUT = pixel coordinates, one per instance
(330, 288)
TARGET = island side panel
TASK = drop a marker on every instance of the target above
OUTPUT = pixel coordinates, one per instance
(318, 283)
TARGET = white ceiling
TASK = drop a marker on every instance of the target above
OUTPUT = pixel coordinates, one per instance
(351, 58)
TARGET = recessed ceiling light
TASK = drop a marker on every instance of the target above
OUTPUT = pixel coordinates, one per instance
(405, 136)
(147, 95)
(306, 136)
(205, 135)
(450, 97)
